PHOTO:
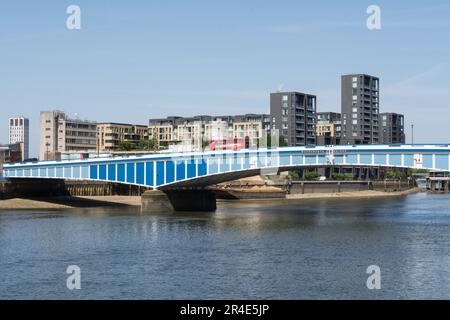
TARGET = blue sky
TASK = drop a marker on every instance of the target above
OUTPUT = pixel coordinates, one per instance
(133, 60)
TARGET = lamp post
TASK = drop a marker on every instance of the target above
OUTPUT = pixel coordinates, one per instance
(412, 133)
(47, 144)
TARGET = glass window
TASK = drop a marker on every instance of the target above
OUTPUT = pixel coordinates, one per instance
(285, 98)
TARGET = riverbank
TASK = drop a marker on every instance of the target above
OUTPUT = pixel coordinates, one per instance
(354, 194)
(69, 202)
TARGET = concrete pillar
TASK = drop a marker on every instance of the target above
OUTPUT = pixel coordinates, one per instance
(156, 201)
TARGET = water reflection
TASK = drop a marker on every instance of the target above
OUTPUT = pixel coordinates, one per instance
(269, 249)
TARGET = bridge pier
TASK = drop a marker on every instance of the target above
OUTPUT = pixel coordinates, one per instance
(167, 201)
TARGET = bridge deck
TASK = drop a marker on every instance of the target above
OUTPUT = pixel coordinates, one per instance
(205, 168)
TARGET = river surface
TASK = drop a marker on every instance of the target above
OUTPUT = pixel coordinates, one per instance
(292, 249)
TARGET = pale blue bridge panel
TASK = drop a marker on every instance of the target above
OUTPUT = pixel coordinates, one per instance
(339, 159)
(427, 161)
(395, 160)
(158, 170)
(408, 160)
(365, 159)
(311, 160)
(352, 159)
(442, 161)
(322, 159)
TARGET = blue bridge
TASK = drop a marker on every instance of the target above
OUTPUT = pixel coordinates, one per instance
(201, 169)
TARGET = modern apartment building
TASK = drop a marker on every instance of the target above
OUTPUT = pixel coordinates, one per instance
(294, 115)
(328, 128)
(59, 133)
(360, 109)
(392, 128)
(197, 130)
(19, 132)
(110, 135)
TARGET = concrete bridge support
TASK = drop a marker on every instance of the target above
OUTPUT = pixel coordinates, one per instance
(167, 201)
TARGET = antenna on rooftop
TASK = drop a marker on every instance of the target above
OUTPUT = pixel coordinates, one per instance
(280, 87)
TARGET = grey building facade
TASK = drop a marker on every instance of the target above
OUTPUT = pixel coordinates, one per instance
(392, 128)
(360, 109)
(294, 115)
(59, 133)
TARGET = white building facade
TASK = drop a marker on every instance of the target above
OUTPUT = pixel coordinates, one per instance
(19, 132)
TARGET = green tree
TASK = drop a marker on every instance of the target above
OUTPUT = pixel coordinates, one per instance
(311, 175)
(141, 145)
(127, 146)
(394, 175)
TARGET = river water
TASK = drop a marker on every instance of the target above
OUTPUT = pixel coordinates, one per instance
(292, 249)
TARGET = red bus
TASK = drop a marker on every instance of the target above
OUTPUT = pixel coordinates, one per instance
(228, 144)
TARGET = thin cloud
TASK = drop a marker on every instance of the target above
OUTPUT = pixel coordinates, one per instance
(418, 85)
(215, 93)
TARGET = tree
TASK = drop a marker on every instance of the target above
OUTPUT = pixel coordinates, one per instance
(141, 145)
(312, 175)
(126, 146)
(394, 175)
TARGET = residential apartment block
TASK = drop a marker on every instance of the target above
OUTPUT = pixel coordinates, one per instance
(19, 132)
(198, 130)
(59, 133)
(328, 128)
(294, 115)
(392, 128)
(360, 109)
(110, 134)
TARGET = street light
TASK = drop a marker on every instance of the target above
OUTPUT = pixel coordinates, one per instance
(412, 133)
(47, 144)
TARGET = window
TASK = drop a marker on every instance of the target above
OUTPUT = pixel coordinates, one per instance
(354, 115)
(354, 121)
(355, 98)
(285, 98)
(355, 79)
(354, 109)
